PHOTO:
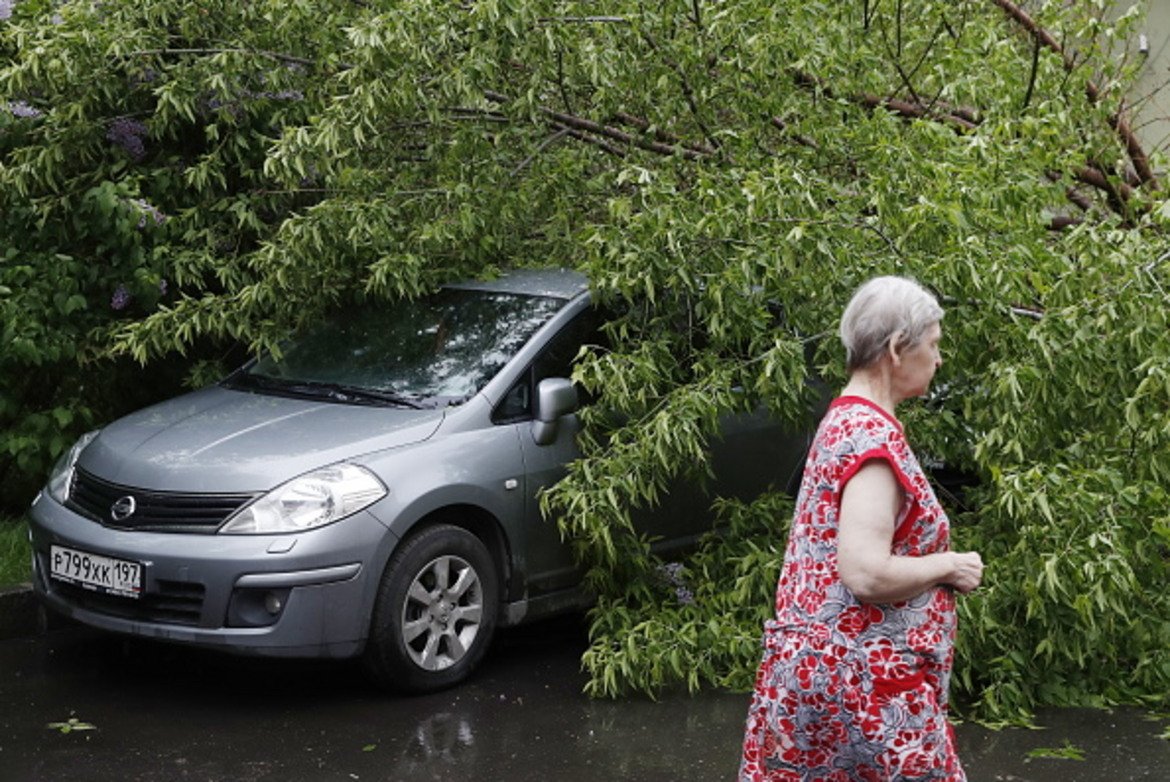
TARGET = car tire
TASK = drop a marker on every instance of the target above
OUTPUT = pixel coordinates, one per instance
(435, 612)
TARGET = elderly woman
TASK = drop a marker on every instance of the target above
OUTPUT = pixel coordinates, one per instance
(853, 682)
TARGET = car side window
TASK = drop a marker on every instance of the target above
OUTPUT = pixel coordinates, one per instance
(556, 360)
(517, 403)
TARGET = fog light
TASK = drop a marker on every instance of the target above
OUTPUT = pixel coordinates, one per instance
(256, 607)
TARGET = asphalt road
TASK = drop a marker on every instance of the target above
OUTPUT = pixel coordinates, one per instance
(143, 711)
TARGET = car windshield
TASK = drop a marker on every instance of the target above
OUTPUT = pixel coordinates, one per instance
(432, 351)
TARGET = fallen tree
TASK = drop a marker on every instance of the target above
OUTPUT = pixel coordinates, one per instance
(178, 178)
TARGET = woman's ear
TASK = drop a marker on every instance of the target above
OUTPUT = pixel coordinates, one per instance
(892, 348)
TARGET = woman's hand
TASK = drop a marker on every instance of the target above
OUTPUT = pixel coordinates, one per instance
(967, 571)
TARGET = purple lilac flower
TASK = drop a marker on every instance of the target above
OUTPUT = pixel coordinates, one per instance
(148, 211)
(290, 95)
(231, 107)
(21, 109)
(145, 76)
(162, 287)
(6, 7)
(310, 178)
(127, 133)
(121, 298)
(57, 19)
(672, 573)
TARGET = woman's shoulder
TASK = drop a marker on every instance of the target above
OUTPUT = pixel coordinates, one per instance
(857, 411)
(854, 427)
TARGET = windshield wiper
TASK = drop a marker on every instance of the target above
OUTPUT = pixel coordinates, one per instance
(344, 393)
(337, 392)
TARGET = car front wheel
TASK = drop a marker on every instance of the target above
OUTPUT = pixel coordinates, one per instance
(435, 612)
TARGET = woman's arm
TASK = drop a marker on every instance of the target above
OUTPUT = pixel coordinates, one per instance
(869, 511)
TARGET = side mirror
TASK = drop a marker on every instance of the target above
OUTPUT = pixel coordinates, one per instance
(555, 397)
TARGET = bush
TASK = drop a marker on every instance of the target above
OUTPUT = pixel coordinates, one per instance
(15, 553)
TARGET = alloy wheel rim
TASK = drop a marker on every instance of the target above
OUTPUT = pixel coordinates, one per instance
(442, 613)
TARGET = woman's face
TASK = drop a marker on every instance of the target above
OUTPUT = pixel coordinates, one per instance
(919, 362)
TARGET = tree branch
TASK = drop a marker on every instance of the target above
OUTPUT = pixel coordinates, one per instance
(1071, 193)
(687, 90)
(1133, 147)
(543, 146)
(1117, 194)
(584, 19)
(804, 141)
(894, 52)
(278, 56)
(961, 118)
(1061, 222)
(668, 138)
(606, 131)
(604, 146)
(1032, 76)
(561, 80)
(942, 25)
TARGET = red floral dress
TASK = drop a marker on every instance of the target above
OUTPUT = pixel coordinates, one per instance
(850, 691)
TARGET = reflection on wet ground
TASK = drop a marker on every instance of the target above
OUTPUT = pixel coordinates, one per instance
(165, 713)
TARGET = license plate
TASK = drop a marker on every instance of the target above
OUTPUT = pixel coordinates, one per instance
(93, 571)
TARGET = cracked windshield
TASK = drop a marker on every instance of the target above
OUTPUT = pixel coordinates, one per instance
(439, 349)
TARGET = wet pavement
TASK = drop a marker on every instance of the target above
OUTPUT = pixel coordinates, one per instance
(168, 713)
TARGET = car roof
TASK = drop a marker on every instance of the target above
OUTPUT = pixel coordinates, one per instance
(556, 283)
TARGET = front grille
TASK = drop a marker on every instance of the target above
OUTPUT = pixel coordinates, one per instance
(168, 602)
(154, 511)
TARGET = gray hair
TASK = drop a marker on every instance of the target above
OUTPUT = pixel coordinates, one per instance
(884, 309)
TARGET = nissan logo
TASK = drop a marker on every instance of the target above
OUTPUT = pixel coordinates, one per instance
(123, 508)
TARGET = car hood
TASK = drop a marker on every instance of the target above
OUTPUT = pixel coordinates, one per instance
(222, 440)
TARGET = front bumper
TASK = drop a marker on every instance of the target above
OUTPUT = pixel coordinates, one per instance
(307, 594)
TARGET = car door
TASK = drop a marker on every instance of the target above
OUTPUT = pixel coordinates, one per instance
(547, 559)
(752, 453)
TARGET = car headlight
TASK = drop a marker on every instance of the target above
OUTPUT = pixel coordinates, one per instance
(312, 500)
(61, 478)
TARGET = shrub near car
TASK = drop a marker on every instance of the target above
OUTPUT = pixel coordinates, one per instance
(370, 492)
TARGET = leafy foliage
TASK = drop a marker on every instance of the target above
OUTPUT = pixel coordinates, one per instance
(695, 624)
(177, 178)
(131, 184)
(15, 552)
